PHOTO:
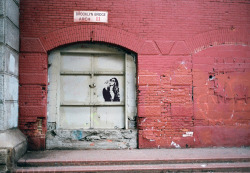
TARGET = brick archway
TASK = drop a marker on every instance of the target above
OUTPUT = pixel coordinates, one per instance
(226, 36)
(93, 33)
(80, 33)
(33, 77)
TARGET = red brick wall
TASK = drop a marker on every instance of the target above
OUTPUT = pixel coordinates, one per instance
(193, 65)
(33, 97)
(221, 96)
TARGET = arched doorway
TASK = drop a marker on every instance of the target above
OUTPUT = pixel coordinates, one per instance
(91, 97)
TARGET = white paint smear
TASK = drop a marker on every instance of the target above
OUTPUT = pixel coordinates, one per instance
(188, 134)
(175, 145)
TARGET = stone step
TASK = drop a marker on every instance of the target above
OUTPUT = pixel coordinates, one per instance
(149, 168)
(142, 160)
(55, 162)
(133, 157)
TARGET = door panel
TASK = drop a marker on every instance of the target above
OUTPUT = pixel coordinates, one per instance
(75, 90)
(109, 63)
(109, 90)
(75, 63)
(75, 117)
(108, 117)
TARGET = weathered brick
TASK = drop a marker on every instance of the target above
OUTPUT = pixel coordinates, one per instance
(186, 110)
(37, 111)
(165, 46)
(148, 111)
(165, 83)
(148, 80)
(181, 80)
(33, 79)
(180, 48)
(203, 60)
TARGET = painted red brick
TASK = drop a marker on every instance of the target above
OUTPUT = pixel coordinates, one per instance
(145, 111)
(149, 48)
(208, 136)
(181, 80)
(184, 58)
(37, 111)
(165, 46)
(180, 48)
(149, 80)
(186, 110)
(33, 79)
(31, 45)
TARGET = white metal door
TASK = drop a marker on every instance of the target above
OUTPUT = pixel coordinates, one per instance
(91, 89)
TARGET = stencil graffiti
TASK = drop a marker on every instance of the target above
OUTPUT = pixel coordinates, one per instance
(111, 91)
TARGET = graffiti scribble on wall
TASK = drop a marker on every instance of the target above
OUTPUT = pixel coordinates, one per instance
(111, 91)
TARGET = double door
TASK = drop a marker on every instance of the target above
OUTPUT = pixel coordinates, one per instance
(92, 91)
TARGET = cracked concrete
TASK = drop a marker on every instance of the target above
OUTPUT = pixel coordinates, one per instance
(91, 139)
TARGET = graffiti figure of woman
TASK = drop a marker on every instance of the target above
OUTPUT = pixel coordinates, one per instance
(111, 91)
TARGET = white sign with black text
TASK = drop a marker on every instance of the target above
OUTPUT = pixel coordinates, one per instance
(91, 16)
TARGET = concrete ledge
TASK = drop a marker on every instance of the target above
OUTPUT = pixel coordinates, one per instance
(92, 139)
(13, 145)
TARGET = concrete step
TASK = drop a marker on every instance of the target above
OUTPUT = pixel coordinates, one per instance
(142, 160)
(42, 162)
(180, 167)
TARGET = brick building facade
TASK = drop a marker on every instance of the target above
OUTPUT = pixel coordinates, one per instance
(192, 59)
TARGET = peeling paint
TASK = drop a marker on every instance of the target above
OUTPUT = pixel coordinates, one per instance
(188, 134)
(144, 120)
(232, 115)
(77, 134)
(175, 145)
(203, 165)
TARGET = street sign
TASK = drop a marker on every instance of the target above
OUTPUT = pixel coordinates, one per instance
(91, 16)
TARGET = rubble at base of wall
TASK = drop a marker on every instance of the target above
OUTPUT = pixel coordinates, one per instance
(91, 139)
